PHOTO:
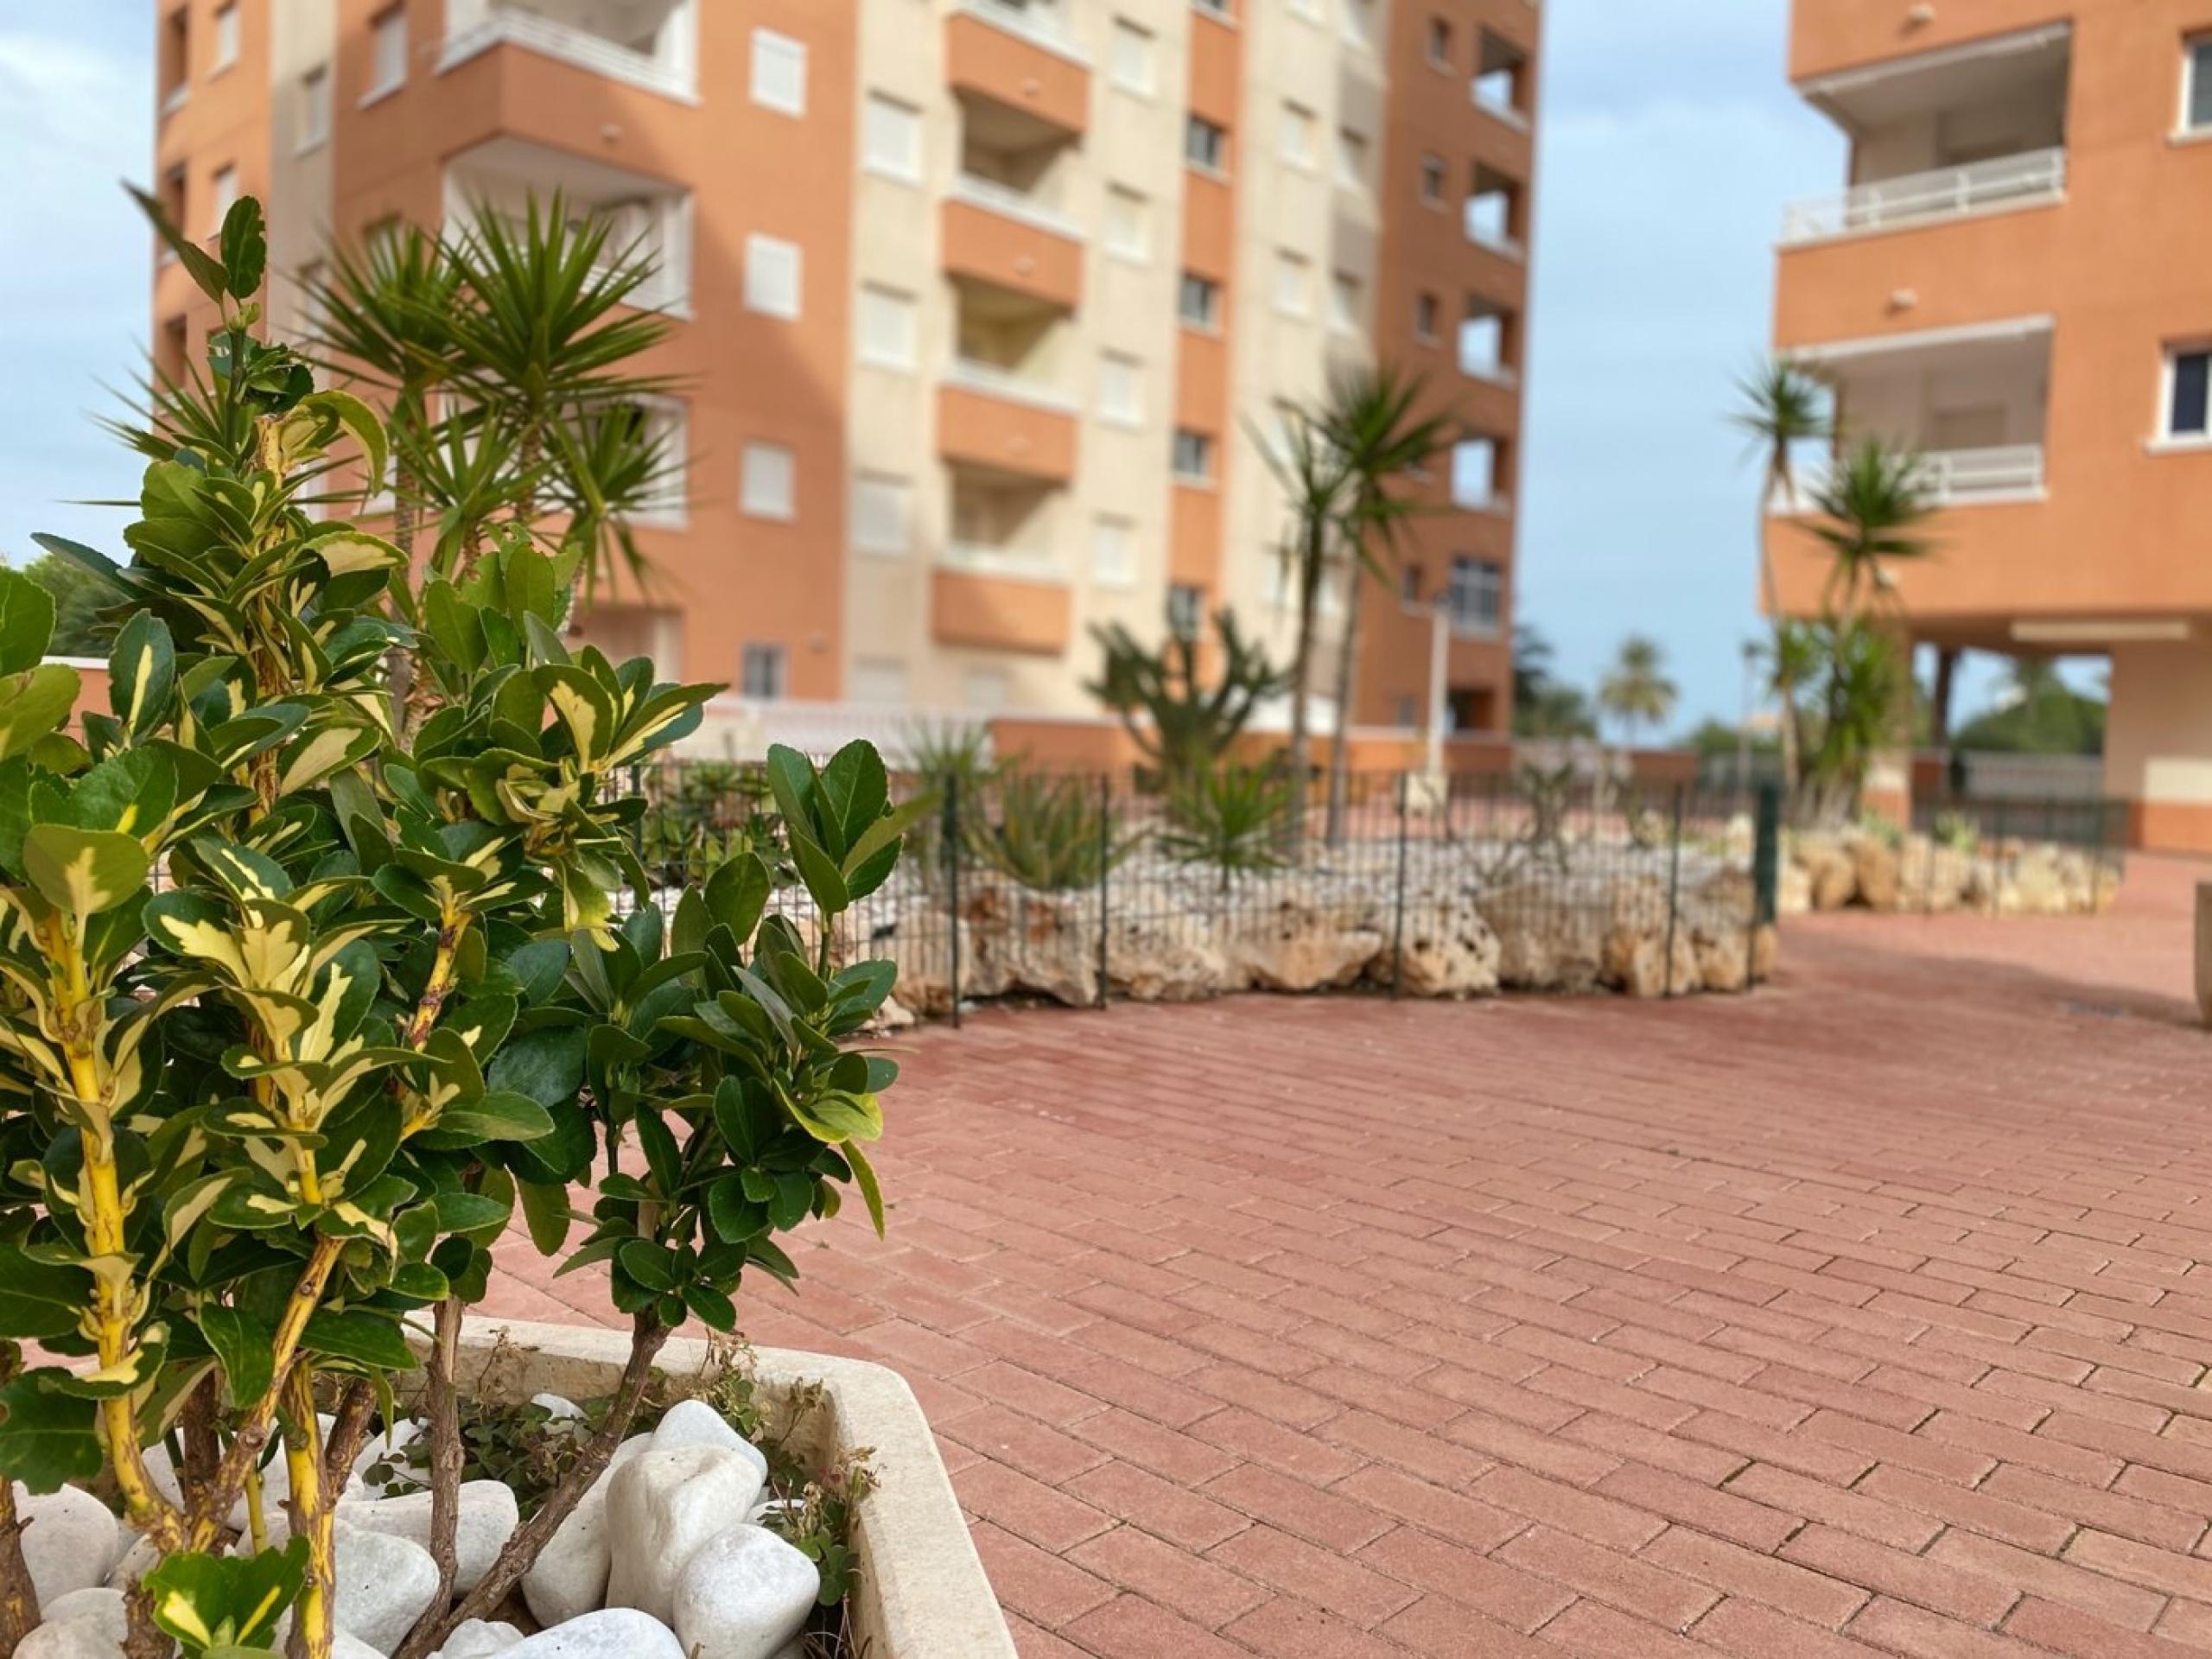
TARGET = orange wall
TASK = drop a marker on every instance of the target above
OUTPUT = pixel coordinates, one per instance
(1016, 72)
(225, 121)
(988, 431)
(995, 249)
(2120, 265)
(998, 612)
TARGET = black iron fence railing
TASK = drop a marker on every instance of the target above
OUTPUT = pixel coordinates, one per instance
(2050, 855)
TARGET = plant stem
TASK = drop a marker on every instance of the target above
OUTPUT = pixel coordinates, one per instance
(312, 1615)
(19, 1609)
(257, 1515)
(521, 1551)
(445, 1455)
(349, 1429)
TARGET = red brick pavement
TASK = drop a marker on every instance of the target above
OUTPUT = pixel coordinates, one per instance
(1870, 1313)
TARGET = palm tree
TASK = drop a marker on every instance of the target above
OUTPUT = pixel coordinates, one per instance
(1868, 503)
(1637, 689)
(1780, 406)
(1372, 422)
(1533, 656)
(1313, 478)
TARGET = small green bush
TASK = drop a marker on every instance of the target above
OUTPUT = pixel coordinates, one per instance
(1236, 818)
(1044, 831)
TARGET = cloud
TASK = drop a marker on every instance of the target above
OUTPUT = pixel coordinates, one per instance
(75, 116)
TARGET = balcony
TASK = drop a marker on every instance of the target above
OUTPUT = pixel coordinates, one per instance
(1018, 57)
(648, 218)
(2000, 185)
(996, 234)
(1493, 212)
(652, 44)
(994, 610)
(1953, 477)
(1004, 424)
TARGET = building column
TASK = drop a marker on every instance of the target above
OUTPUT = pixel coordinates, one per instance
(2159, 743)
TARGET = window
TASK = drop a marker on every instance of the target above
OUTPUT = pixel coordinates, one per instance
(2196, 84)
(879, 680)
(226, 36)
(1425, 318)
(1186, 608)
(1475, 467)
(387, 51)
(761, 673)
(769, 483)
(1199, 302)
(985, 691)
(1345, 302)
(315, 107)
(1214, 8)
(1121, 388)
(883, 508)
(1127, 232)
(1409, 584)
(1474, 598)
(772, 276)
(1132, 58)
(1432, 180)
(1352, 159)
(1355, 19)
(224, 192)
(1206, 145)
(1297, 137)
(1193, 454)
(778, 72)
(1440, 43)
(1114, 553)
(888, 328)
(892, 138)
(311, 314)
(1291, 283)
(661, 426)
(2189, 393)
(1309, 9)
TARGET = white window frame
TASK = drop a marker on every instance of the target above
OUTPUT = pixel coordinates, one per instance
(313, 92)
(1293, 284)
(1349, 175)
(1119, 571)
(227, 27)
(775, 54)
(767, 483)
(770, 656)
(670, 507)
(897, 493)
(2191, 46)
(986, 691)
(906, 358)
(1347, 301)
(390, 24)
(1121, 370)
(1294, 139)
(1186, 609)
(222, 193)
(906, 166)
(2167, 437)
(1470, 582)
(897, 681)
(1138, 251)
(1215, 165)
(760, 275)
(1202, 445)
(1145, 82)
(1210, 322)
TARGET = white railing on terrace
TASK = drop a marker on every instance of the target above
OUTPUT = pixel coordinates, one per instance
(1037, 23)
(1916, 197)
(1014, 204)
(986, 560)
(505, 26)
(741, 729)
(1953, 477)
(1005, 383)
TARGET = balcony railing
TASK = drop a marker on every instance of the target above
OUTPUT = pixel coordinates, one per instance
(990, 379)
(1953, 477)
(987, 559)
(1919, 197)
(580, 47)
(1036, 25)
(1014, 204)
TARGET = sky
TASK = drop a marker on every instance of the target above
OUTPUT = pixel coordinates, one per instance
(1668, 142)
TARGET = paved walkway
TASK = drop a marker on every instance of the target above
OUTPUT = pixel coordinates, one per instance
(1870, 1313)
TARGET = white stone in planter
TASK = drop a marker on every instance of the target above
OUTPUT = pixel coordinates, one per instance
(610, 1633)
(569, 1576)
(344, 1644)
(487, 1517)
(140, 1557)
(555, 1406)
(275, 1481)
(384, 1581)
(390, 1444)
(744, 1593)
(694, 1423)
(70, 1541)
(473, 1639)
(661, 1507)
(83, 1625)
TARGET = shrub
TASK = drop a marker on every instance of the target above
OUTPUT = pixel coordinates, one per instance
(1234, 818)
(1047, 832)
(1182, 725)
(267, 1115)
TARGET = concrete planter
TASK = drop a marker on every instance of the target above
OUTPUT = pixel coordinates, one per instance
(922, 1592)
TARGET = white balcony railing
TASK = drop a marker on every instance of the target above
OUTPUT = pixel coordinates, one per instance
(1040, 24)
(1014, 204)
(975, 375)
(1953, 477)
(989, 559)
(507, 26)
(1918, 198)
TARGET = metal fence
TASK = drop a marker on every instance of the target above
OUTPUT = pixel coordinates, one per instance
(1086, 887)
(2060, 854)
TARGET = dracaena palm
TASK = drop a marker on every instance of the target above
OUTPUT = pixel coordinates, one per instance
(1779, 406)
(1868, 504)
(1375, 423)
(1315, 483)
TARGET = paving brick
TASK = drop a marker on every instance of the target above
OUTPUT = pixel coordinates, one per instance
(1957, 1592)
(1641, 1587)
(1815, 1597)
(1347, 1586)
(1130, 1559)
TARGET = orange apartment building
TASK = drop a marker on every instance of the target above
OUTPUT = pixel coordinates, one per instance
(983, 307)
(2014, 282)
